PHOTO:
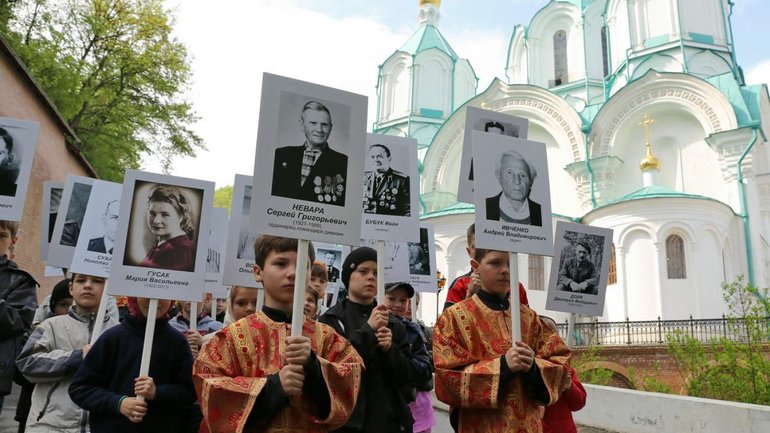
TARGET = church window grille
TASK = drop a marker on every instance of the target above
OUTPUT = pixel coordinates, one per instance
(675, 260)
(560, 58)
(605, 54)
(612, 278)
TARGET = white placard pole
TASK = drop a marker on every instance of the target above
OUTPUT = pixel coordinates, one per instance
(300, 285)
(380, 272)
(260, 298)
(193, 316)
(571, 328)
(415, 307)
(513, 265)
(149, 333)
(213, 308)
(99, 323)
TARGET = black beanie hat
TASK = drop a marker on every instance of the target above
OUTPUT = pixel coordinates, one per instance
(60, 291)
(355, 258)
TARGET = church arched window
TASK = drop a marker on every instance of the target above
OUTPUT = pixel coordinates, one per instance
(536, 273)
(605, 53)
(675, 262)
(612, 278)
(560, 58)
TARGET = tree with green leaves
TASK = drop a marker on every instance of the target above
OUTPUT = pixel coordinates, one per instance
(114, 71)
(223, 197)
(735, 368)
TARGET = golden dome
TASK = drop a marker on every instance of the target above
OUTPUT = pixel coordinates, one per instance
(650, 162)
(436, 3)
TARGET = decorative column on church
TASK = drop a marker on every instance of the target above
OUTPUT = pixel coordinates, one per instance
(621, 265)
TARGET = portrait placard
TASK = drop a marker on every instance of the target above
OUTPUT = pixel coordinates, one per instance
(422, 261)
(94, 248)
(512, 196)
(578, 282)
(69, 221)
(239, 253)
(490, 122)
(51, 198)
(391, 189)
(216, 252)
(396, 264)
(306, 172)
(332, 256)
(161, 245)
(18, 139)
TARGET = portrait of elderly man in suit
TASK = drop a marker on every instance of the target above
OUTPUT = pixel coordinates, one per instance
(386, 191)
(9, 167)
(334, 273)
(312, 171)
(578, 273)
(513, 205)
(105, 243)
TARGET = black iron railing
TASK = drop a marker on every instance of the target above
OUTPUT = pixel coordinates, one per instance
(655, 332)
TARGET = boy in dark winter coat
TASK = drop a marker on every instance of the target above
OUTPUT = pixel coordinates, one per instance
(18, 302)
(380, 339)
(107, 383)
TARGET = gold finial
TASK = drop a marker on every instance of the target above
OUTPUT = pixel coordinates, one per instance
(650, 162)
(436, 3)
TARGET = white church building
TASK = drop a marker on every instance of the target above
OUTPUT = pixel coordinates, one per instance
(688, 216)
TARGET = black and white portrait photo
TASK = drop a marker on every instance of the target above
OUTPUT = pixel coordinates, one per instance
(490, 122)
(512, 196)
(164, 227)
(391, 189)
(419, 255)
(109, 225)
(422, 261)
(515, 176)
(69, 220)
(9, 164)
(579, 270)
(333, 261)
(306, 167)
(96, 242)
(246, 236)
(386, 191)
(52, 192)
(313, 170)
(18, 139)
(239, 250)
(161, 247)
(216, 251)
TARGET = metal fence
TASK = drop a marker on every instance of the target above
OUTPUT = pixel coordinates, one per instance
(655, 332)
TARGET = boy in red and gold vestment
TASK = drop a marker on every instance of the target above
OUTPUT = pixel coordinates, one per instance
(491, 384)
(253, 376)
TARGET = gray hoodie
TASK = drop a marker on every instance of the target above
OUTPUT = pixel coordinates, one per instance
(50, 359)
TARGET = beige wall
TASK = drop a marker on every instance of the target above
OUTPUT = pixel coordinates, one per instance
(53, 162)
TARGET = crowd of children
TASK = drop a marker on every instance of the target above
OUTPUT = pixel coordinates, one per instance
(357, 367)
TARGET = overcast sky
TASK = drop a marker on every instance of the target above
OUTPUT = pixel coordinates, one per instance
(340, 43)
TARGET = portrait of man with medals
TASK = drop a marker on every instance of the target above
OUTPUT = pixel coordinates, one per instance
(386, 191)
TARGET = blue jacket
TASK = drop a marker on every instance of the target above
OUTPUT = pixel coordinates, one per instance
(109, 370)
(420, 357)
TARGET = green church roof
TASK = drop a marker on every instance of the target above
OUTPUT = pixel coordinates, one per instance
(458, 208)
(744, 99)
(656, 191)
(425, 38)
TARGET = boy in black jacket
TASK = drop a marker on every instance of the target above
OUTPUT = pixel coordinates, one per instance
(380, 339)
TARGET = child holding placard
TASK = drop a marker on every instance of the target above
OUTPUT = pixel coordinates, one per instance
(106, 384)
(380, 338)
(253, 376)
(53, 354)
(489, 382)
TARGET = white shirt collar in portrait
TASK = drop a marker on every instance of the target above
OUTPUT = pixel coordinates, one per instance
(507, 208)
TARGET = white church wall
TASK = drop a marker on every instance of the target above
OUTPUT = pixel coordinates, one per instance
(619, 31)
(433, 78)
(702, 18)
(707, 64)
(396, 87)
(642, 276)
(593, 40)
(544, 25)
(517, 69)
(660, 63)
(711, 275)
(563, 199)
(679, 296)
(656, 20)
(465, 83)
